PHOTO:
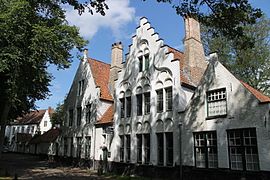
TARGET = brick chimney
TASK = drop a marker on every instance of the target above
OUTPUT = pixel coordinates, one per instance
(195, 63)
(116, 64)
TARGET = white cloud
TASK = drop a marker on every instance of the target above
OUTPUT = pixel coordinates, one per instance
(116, 18)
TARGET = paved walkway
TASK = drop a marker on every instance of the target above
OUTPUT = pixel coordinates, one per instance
(26, 166)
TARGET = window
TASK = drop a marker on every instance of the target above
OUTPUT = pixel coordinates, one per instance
(128, 113)
(88, 113)
(147, 103)
(87, 147)
(65, 146)
(22, 130)
(121, 148)
(79, 116)
(28, 130)
(243, 149)
(216, 103)
(122, 101)
(160, 100)
(71, 147)
(139, 104)
(70, 117)
(13, 130)
(81, 87)
(146, 148)
(128, 148)
(32, 129)
(79, 146)
(206, 149)
(168, 98)
(45, 123)
(139, 148)
(140, 63)
(169, 148)
(160, 148)
(146, 62)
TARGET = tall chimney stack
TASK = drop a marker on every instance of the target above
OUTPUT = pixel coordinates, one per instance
(116, 65)
(195, 63)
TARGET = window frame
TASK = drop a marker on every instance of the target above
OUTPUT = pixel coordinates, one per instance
(128, 106)
(205, 147)
(147, 148)
(147, 104)
(160, 148)
(242, 148)
(122, 107)
(128, 147)
(122, 148)
(70, 117)
(169, 99)
(160, 101)
(213, 101)
(79, 147)
(79, 116)
(87, 147)
(139, 139)
(139, 100)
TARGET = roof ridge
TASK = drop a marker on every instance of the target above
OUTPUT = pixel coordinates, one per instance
(92, 59)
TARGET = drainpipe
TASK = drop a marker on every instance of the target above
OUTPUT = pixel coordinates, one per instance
(180, 152)
(94, 152)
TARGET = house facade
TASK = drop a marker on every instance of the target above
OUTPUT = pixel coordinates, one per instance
(226, 127)
(21, 129)
(155, 83)
(88, 103)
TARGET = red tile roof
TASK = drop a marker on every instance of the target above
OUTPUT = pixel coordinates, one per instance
(101, 74)
(259, 95)
(33, 117)
(189, 76)
(107, 116)
(47, 137)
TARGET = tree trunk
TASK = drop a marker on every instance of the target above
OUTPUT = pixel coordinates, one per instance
(3, 121)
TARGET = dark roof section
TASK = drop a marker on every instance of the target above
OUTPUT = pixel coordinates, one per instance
(101, 74)
(47, 137)
(107, 116)
(33, 117)
(23, 137)
(259, 95)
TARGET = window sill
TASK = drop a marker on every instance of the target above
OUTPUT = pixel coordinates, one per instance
(215, 117)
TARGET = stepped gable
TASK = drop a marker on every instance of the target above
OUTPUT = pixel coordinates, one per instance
(101, 74)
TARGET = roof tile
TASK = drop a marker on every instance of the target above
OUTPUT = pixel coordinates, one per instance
(259, 95)
(101, 74)
(107, 116)
(33, 117)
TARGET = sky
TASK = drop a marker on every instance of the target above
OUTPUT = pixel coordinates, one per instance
(119, 24)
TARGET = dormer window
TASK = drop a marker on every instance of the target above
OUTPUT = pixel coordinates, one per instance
(216, 103)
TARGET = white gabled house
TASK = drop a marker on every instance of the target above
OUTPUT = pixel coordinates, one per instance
(155, 83)
(86, 105)
(226, 125)
(22, 129)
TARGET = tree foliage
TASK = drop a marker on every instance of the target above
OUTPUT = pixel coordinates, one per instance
(251, 64)
(58, 115)
(34, 34)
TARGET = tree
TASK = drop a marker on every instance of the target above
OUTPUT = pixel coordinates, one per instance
(58, 116)
(34, 34)
(251, 64)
